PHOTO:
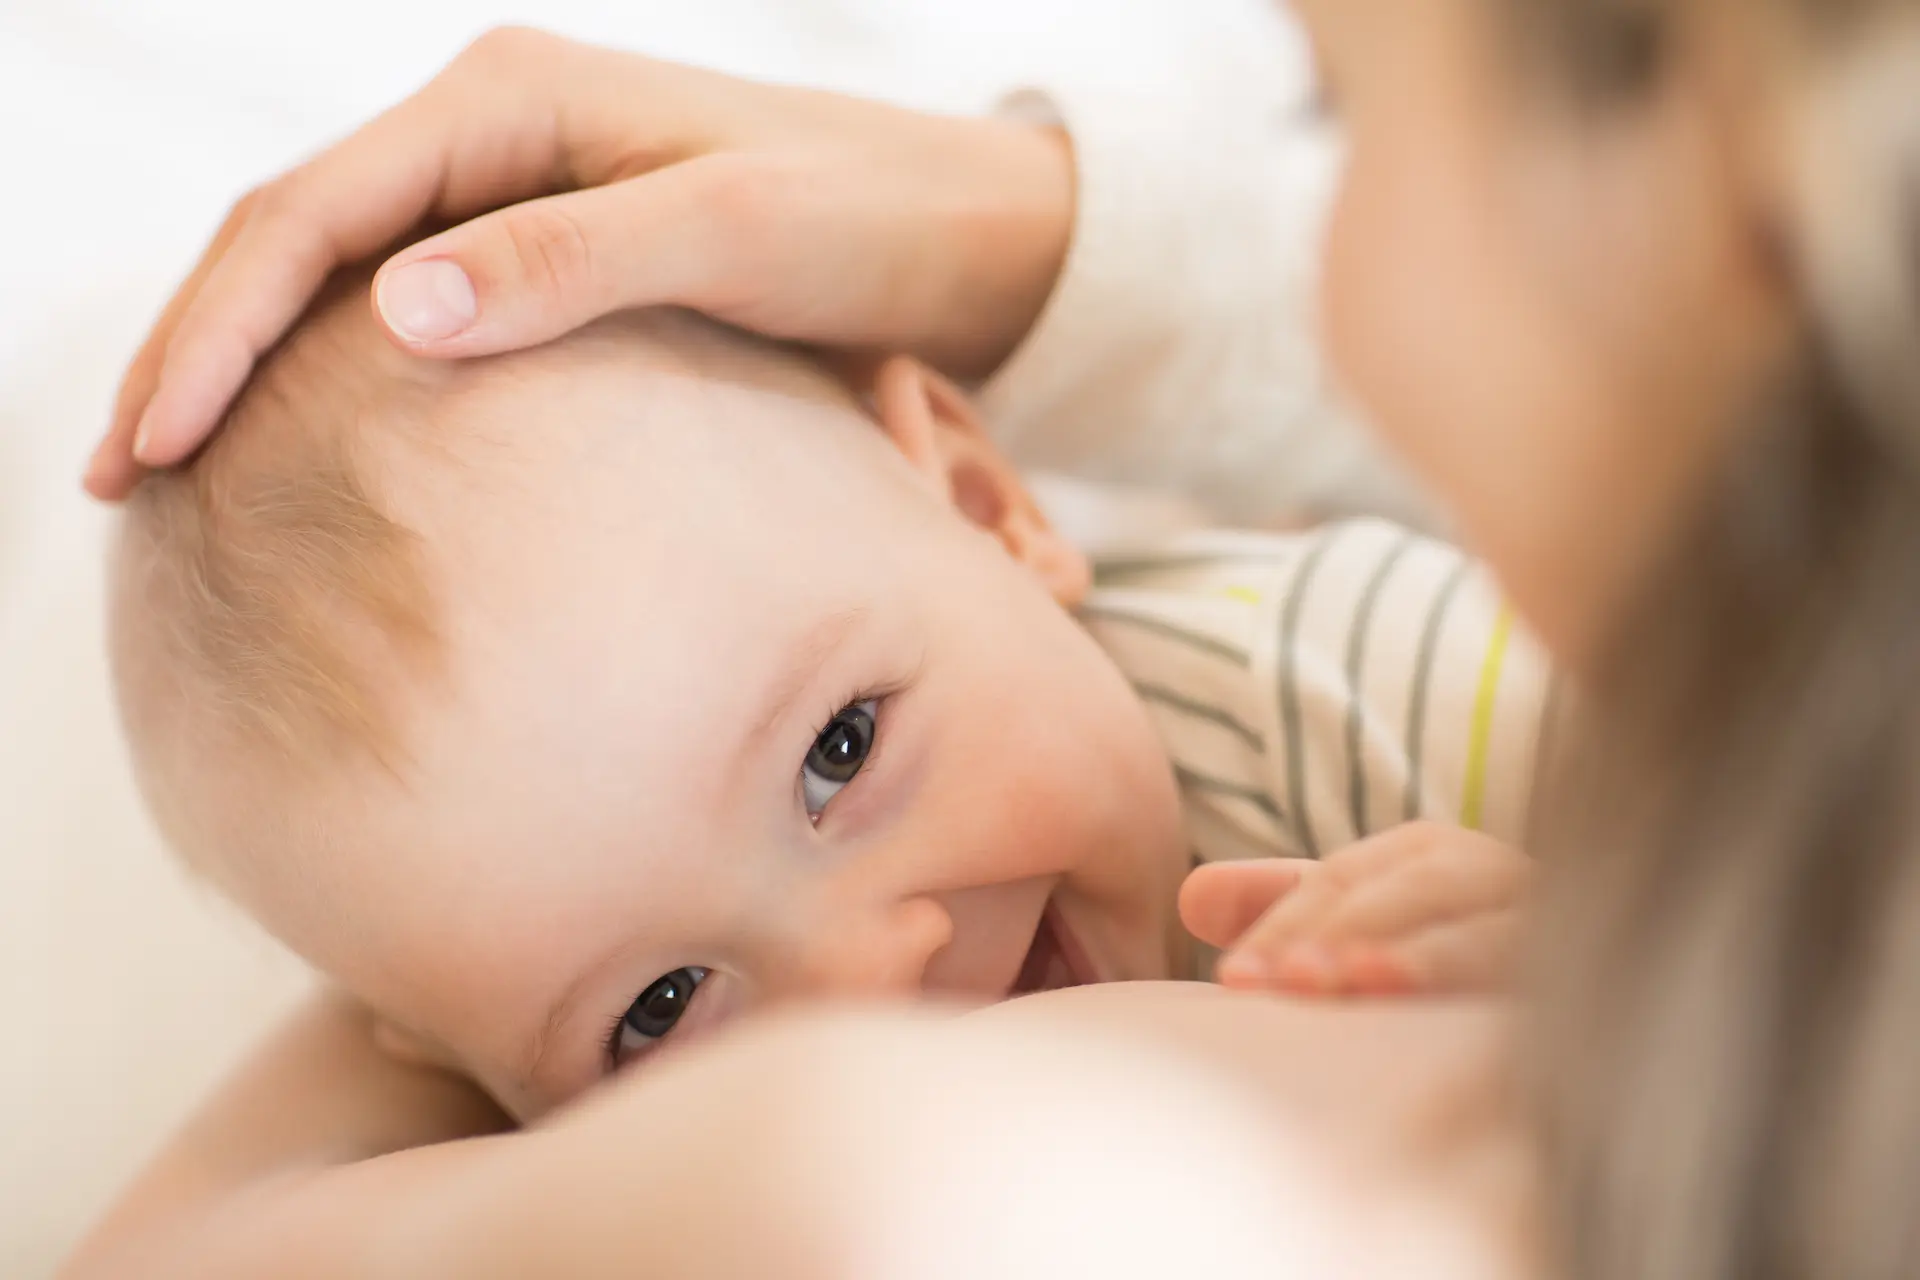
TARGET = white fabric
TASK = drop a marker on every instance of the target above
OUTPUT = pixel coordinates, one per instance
(1179, 346)
(131, 126)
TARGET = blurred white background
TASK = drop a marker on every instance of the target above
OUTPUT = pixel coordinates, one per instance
(126, 129)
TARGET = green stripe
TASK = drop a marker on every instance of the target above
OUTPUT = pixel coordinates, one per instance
(1473, 799)
(1179, 635)
(1356, 680)
(1290, 694)
(1232, 790)
(1200, 711)
(1422, 679)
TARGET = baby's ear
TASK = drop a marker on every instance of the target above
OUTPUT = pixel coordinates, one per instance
(934, 425)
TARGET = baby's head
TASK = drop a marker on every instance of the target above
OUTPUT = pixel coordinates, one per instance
(559, 701)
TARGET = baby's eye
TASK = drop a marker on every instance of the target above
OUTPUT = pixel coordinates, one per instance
(836, 755)
(656, 1013)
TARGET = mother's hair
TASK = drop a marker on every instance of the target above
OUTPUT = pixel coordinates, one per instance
(1730, 1015)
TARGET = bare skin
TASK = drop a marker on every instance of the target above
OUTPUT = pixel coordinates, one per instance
(718, 1154)
(1550, 322)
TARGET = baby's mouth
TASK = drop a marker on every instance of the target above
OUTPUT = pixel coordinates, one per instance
(1054, 961)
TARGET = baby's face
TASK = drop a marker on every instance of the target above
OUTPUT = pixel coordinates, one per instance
(749, 699)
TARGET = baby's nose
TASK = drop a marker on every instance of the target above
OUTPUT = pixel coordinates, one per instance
(875, 951)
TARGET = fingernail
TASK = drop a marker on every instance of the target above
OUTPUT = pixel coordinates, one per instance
(143, 437)
(427, 301)
(1240, 968)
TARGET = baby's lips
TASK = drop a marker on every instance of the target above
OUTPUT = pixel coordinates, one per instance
(1085, 971)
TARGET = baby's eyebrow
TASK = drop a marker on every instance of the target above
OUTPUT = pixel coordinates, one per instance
(810, 652)
(790, 682)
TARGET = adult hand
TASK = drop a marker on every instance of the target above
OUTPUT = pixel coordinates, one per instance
(1420, 908)
(617, 181)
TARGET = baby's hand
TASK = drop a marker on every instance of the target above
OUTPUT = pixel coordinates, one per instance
(1421, 908)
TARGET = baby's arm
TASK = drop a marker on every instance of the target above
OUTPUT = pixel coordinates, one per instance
(318, 1094)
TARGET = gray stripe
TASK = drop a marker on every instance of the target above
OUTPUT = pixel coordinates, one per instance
(1125, 566)
(1232, 790)
(1356, 676)
(1191, 639)
(1200, 711)
(1290, 694)
(1422, 678)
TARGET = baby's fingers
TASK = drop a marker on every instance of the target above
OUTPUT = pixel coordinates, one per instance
(1221, 901)
(1465, 955)
(1257, 956)
(1471, 955)
(1426, 892)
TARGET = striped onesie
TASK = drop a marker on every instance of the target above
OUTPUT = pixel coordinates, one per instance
(1313, 689)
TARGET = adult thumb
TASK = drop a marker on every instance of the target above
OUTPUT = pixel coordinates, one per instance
(534, 271)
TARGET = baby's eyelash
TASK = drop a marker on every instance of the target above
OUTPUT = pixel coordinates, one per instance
(610, 1043)
(878, 694)
(874, 748)
(844, 705)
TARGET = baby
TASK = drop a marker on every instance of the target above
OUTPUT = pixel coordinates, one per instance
(562, 705)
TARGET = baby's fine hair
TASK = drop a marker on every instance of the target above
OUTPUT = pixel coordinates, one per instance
(273, 592)
(271, 584)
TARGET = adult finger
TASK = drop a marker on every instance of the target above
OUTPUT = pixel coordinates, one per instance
(446, 150)
(709, 233)
(538, 269)
(1221, 901)
(112, 471)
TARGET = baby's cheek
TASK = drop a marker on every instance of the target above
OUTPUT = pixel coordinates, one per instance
(1067, 790)
(1048, 763)
(1013, 822)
